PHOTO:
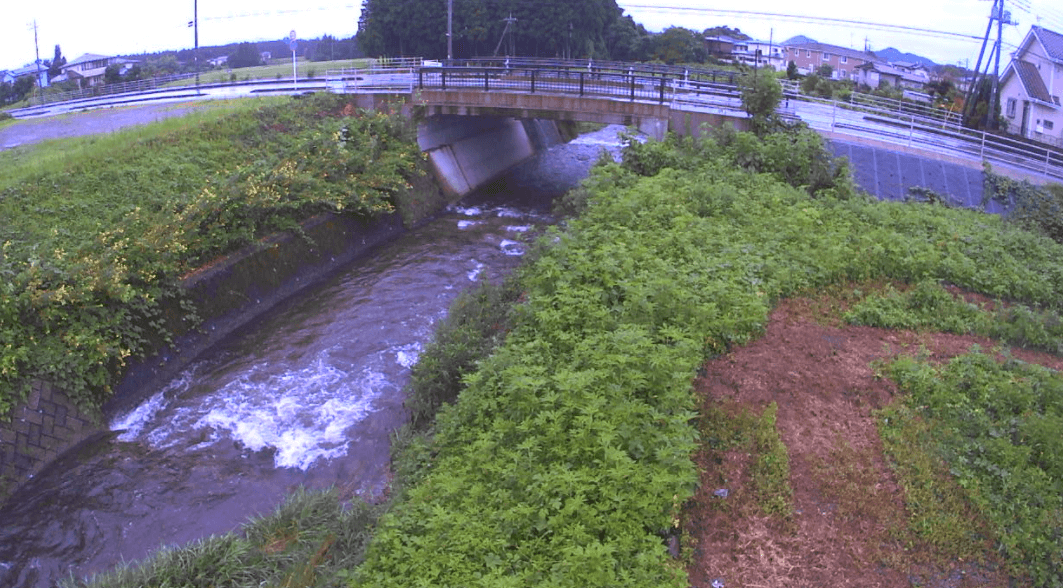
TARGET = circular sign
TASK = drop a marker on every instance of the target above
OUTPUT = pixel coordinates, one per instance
(291, 36)
(293, 44)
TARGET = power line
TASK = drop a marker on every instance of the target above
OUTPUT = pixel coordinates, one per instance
(812, 19)
(285, 12)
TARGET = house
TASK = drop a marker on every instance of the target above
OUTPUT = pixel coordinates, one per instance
(1031, 86)
(877, 74)
(32, 69)
(760, 54)
(745, 51)
(7, 77)
(89, 69)
(219, 61)
(810, 56)
(915, 69)
(721, 47)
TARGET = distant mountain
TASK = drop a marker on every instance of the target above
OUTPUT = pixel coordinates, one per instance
(798, 40)
(894, 55)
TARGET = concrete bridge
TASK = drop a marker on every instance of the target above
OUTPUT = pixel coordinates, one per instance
(890, 144)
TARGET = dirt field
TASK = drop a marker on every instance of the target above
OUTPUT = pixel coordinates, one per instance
(849, 523)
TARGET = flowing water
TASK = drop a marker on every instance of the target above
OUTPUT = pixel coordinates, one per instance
(307, 396)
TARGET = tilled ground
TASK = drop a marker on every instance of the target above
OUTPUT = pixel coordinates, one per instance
(848, 526)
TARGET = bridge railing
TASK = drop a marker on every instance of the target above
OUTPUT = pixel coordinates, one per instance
(616, 85)
(599, 66)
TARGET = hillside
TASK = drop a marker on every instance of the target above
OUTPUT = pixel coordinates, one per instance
(894, 55)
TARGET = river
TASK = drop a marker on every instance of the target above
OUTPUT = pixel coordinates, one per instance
(306, 396)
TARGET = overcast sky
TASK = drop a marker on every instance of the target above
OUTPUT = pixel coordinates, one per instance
(113, 27)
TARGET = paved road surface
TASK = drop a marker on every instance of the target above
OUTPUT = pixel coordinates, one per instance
(76, 124)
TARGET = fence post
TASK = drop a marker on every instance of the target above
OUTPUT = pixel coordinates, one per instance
(632, 87)
(443, 76)
(911, 128)
(662, 89)
(485, 80)
(420, 78)
(581, 83)
(533, 81)
(981, 153)
(1048, 155)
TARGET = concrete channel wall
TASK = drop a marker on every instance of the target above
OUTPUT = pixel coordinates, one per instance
(464, 153)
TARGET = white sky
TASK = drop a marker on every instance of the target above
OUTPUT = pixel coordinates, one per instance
(128, 27)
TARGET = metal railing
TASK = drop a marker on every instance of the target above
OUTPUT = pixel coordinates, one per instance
(916, 131)
(108, 89)
(640, 86)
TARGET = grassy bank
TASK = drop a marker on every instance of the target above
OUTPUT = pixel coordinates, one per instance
(554, 421)
(98, 236)
(566, 454)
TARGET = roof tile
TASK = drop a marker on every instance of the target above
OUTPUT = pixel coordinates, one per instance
(1031, 80)
(1052, 42)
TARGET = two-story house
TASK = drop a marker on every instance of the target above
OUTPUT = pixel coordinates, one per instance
(810, 57)
(89, 69)
(1031, 87)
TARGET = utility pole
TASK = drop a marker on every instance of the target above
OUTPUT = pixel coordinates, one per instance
(37, 51)
(994, 97)
(509, 22)
(195, 25)
(450, 30)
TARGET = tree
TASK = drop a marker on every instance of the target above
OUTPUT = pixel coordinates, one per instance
(246, 55)
(56, 66)
(825, 71)
(113, 74)
(791, 70)
(761, 95)
(679, 45)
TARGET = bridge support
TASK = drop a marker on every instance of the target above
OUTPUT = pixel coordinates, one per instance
(468, 152)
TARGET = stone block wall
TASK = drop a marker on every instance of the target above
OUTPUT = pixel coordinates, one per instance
(38, 431)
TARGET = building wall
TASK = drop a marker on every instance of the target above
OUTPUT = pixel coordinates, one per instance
(1045, 123)
(809, 60)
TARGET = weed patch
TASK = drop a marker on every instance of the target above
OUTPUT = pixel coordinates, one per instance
(92, 254)
(996, 428)
(310, 540)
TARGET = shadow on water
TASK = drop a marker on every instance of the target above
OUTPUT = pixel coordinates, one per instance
(307, 396)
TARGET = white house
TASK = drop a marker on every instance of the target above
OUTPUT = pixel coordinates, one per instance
(1031, 87)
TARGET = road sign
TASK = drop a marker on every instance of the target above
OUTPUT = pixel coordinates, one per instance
(291, 36)
(293, 44)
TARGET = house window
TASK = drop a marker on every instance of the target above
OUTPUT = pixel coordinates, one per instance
(1011, 107)
(1056, 100)
(845, 59)
(1049, 124)
(826, 56)
(808, 53)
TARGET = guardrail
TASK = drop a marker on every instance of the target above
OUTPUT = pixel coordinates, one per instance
(914, 130)
(109, 89)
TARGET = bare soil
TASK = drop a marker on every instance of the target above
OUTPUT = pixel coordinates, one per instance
(849, 525)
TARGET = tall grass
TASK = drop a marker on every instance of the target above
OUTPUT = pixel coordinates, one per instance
(308, 541)
(98, 231)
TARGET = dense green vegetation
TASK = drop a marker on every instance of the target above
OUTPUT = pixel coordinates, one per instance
(307, 541)
(929, 306)
(997, 427)
(563, 458)
(94, 243)
(563, 416)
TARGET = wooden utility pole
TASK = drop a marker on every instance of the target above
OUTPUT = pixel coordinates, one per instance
(450, 30)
